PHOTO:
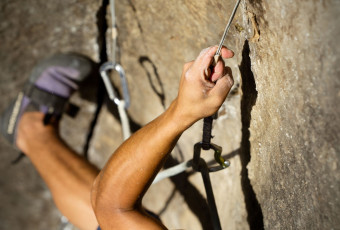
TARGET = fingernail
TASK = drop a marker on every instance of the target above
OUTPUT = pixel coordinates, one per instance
(230, 80)
(207, 72)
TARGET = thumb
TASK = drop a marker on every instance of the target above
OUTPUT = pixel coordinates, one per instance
(223, 85)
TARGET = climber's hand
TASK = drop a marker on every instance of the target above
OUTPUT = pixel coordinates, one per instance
(198, 97)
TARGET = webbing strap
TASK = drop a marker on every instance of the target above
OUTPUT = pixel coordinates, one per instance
(203, 168)
(124, 120)
(177, 169)
(207, 127)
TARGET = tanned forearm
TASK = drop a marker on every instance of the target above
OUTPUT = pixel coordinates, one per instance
(132, 168)
(135, 163)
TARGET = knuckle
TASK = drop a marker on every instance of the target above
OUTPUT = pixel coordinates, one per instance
(204, 51)
(230, 80)
(229, 76)
(187, 65)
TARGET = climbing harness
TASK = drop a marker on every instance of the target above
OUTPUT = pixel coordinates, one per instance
(124, 102)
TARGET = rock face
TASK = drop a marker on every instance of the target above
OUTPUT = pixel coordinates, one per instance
(294, 107)
(278, 127)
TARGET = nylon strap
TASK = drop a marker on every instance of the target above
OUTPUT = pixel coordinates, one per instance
(207, 127)
(124, 120)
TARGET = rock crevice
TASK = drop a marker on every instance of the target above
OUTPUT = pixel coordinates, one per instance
(249, 96)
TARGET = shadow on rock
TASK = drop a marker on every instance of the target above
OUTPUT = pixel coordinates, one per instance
(255, 216)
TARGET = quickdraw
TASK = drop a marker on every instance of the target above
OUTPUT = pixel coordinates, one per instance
(104, 69)
(199, 164)
(124, 102)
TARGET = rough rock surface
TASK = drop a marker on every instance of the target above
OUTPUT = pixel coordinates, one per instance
(294, 108)
(278, 127)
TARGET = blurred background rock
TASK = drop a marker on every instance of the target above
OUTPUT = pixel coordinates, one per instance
(279, 127)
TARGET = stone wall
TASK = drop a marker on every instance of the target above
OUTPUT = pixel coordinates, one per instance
(295, 121)
(278, 127)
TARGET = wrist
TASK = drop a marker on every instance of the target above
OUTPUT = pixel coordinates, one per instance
(179, 117)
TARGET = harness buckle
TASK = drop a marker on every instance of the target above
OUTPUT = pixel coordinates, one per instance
(104, 69)
(217, 155)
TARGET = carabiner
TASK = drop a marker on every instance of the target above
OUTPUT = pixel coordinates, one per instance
(217, 155)
(104, 68)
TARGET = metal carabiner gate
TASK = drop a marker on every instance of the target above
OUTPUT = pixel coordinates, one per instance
(104, 68)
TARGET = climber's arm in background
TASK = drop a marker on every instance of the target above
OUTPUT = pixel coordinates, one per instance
(120, 186)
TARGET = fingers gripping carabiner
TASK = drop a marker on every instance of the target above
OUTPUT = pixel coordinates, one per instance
(104, 69)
